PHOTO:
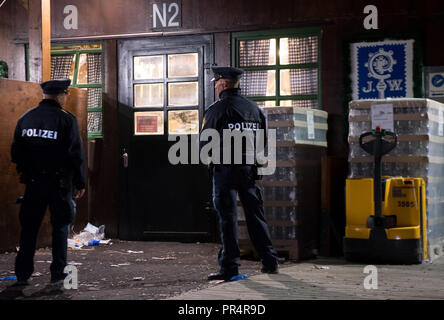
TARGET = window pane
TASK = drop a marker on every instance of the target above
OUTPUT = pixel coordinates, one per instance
(183, 94)
(270, 103)
(183, 122)
(258, 83)
(312, 104)
(94, 61)
(148, 123)
(148, 67)
(182, 65)
(148, 95)
(298, 50)
(62, 66)
(257, 52)
(94, 121)
(94, 97)
(82, 72)
(299, 81)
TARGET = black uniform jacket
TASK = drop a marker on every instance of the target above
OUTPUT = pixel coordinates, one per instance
(47, 139)
(234, 112)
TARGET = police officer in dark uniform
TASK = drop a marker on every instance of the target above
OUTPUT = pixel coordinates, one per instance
(234, 112)
(47, 150)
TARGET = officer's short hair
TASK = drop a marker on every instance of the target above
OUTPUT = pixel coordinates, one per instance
(232, 83)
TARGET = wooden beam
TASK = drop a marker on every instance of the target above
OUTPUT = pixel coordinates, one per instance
(46, 40)
(35, 40)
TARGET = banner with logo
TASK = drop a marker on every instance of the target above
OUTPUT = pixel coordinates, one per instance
(382, 69)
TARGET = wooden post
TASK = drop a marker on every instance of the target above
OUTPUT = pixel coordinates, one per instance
(39, 20)
(46, 40)
(35, 41)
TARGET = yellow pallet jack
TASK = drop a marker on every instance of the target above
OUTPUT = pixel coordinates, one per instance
(385, 216)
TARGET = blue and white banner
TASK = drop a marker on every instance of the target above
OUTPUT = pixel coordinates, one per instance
(382, 69)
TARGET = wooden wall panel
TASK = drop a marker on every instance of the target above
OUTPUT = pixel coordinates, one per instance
(17, 98)
(222, 41)
(11, 52)
(76, 103)
(135, 16)
(104, 155)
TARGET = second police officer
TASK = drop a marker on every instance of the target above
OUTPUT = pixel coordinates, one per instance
(234, 112)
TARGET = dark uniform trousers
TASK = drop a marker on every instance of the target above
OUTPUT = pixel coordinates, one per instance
(228, 180)
(41, 192)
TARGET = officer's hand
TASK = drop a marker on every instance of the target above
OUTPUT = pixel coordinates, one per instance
(78, 193)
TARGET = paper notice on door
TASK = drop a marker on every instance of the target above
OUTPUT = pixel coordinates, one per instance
(382, 116)
(310, 125)
(147, 123)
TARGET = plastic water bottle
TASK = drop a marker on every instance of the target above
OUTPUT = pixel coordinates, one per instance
(93, 243)
(239, 277)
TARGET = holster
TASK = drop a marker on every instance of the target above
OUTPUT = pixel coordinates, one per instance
(65, 181)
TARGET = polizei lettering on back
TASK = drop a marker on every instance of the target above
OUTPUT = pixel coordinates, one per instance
(210, 153)
(40, 133)
(244, 126)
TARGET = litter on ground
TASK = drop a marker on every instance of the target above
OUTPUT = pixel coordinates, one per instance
(131, 251)
(138, 278)
(321, 267)
(90, 236)
(164, 258)
(120, 264)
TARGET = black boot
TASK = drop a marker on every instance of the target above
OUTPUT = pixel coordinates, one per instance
(221, 276)
(270, 270)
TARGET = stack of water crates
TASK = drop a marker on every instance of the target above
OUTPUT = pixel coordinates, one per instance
(419, 124)
(292, 195)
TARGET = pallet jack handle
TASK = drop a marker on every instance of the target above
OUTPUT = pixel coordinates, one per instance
(378, 147)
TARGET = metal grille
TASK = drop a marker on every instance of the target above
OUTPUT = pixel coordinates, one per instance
(254, 83)
(94, 67)
(303, 81)
(254, 53)
(94, 97)
(303, 50)
(61, 66)
(94, 121)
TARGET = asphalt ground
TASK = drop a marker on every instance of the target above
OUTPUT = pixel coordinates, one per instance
(126, 270)
(173, 271)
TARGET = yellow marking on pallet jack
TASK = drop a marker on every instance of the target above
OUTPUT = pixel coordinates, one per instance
(404, 201)
(403, 233)
(359, 206)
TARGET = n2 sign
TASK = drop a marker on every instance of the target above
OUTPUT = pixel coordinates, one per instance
(167, 15)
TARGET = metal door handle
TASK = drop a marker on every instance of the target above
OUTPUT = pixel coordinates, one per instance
(125, 159)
